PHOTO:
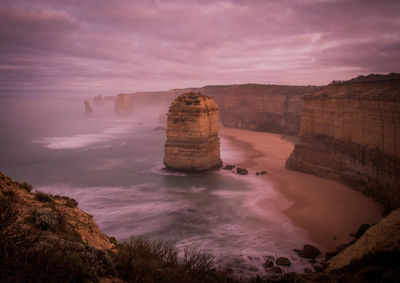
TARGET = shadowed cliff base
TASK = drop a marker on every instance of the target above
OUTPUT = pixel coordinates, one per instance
(350, 132)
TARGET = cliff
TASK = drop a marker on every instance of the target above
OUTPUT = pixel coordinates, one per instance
(257, 107)
(384, 237)
(123, 105)
(350, 132)
(192, 134)
(69, 221)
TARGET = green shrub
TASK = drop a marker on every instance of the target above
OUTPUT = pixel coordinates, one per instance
(154, 261)
(113, 240)
(70, 202)
(43, 197)
(45, 219)
(26, 186)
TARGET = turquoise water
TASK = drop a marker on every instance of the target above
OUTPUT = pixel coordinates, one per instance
(113, 168)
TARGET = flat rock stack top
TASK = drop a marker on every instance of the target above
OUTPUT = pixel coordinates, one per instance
(192, 134)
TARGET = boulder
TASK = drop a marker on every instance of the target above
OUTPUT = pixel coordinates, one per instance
(241, 171)
(308, 251)
(282, 261)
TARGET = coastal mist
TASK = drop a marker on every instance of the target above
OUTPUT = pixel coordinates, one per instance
(113, 167)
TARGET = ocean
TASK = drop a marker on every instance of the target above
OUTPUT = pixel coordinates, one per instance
(113, 167)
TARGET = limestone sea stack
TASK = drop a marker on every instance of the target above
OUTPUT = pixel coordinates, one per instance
(123, 105)
(192, 134)
(88, 108)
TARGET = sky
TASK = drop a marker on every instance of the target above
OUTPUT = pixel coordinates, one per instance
(107, 47)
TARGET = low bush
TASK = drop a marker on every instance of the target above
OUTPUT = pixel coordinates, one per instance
(152, 261)
(70, 202)
(46, 219)
(26, 186)
(43, 197)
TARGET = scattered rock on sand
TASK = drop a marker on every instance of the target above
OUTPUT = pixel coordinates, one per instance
(229, 167)
(276, 269)
(283, 261)
(308, 251)
(268, 264)
(241, 171)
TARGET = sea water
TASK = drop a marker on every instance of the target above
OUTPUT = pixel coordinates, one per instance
(113, 167)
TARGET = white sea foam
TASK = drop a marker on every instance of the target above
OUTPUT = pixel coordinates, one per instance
(82, 140)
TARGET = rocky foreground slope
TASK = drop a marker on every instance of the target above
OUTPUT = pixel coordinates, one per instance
(192, 134)
(46, 238)
(384, 237)
(350, 132)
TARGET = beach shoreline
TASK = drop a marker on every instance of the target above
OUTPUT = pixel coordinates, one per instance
(328, 211)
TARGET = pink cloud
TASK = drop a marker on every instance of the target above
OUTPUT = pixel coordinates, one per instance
(123, 46)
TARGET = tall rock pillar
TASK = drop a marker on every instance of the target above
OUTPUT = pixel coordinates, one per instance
(192, 134)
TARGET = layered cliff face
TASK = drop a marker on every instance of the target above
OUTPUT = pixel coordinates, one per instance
(267, 108)
(192, 134)
(257, 107)
(123, 105)
(350, 132)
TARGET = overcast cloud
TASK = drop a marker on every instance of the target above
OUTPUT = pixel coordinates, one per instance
(106, 47)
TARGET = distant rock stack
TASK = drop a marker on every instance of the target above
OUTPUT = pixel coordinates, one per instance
(98, 100)
(192, 134)
(123, 105)
(88, 108)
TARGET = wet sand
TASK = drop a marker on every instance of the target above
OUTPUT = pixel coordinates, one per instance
(327, 210)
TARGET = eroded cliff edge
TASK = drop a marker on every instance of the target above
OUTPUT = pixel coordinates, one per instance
(257, 107)
(123, 105)
(192, 134)
(350, 132)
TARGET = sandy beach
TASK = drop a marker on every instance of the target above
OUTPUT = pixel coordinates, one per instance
(327, 210)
